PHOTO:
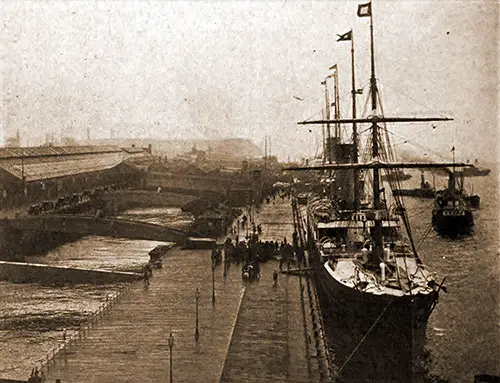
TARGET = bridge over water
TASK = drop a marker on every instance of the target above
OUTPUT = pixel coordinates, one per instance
(91, 225)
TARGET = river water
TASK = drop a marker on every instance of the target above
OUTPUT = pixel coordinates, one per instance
(463, 336)
(463, 333)
(33, 317)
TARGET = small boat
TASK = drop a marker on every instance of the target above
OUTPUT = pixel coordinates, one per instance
(156, 255)
(451, 214)
(473, 200)
(476, 171)
(424, 191)
(159, 251)
(397, 175)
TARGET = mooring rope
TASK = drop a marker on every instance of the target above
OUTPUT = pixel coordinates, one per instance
(364, 337)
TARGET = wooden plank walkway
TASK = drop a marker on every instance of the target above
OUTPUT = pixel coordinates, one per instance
(254, 332)
(268, 344)
(272, 335)
(129, 344)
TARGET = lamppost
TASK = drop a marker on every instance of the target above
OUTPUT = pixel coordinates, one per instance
(213, 282)
(197, 297)
(171, 346)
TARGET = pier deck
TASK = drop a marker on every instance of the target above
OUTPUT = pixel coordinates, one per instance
(254, 332)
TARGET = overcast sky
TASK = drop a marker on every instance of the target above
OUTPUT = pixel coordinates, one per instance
(172, 69)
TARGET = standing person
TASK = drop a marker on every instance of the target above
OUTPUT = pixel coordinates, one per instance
(275, 277)
(146, 278)
(148, 269)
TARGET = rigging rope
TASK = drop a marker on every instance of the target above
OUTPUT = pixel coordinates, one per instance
(425, 235)
(364, 337)
(411, 98)
(419, 146)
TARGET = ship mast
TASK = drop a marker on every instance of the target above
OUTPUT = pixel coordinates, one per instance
(336, 103)
(365, 10)
(377, 230)
(354, 127)
(328, 130)
(349, 36)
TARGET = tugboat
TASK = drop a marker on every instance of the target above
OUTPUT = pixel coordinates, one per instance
(424, 191)
(396, 175)
(451, 214)
(372, 283)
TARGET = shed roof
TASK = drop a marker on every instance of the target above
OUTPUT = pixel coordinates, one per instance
(52, 167)
(50, 151)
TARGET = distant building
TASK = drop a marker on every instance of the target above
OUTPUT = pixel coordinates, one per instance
(32, 174)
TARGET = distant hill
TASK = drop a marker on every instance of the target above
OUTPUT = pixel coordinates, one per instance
(229, 148)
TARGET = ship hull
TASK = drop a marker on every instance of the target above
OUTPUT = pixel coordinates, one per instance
(422, 193)
(388, 332)
(453, 225)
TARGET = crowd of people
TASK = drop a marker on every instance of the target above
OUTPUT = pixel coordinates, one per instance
(252, 251)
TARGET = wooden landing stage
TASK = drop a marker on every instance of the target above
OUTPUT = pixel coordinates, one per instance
(253, 332)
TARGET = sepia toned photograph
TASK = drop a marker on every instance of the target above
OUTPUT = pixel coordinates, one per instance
(261, 191)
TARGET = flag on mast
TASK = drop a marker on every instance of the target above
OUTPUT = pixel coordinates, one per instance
(365, 10)
(345, 37)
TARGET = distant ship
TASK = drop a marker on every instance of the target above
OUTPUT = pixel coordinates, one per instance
(451, 214)
(396, 175)
(427, 191)
(472, 171)
(476, 172)
(424, 191)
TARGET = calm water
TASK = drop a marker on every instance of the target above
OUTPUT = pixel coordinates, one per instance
(463, 332)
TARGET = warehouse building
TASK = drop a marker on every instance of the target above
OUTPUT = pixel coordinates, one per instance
(33, 174)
